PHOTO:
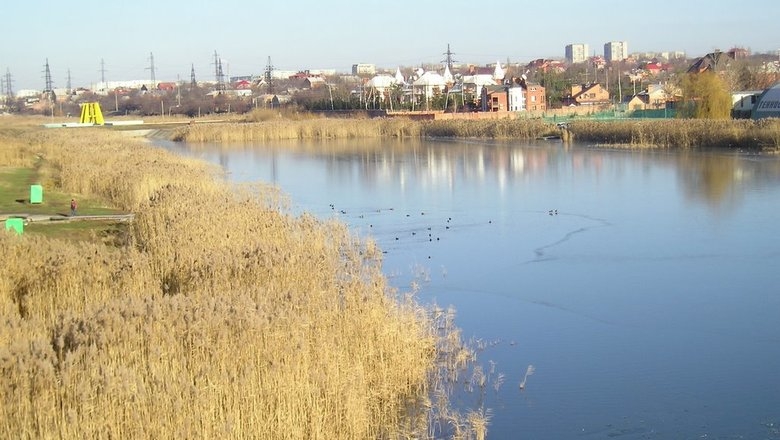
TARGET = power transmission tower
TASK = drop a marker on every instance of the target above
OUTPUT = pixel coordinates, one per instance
(47, 77)
(103, 72)
(219, 76)
(68, 84)
(7, 82)
(449, 60)
(151, 67)
(48, 91)
(193, 83)
(269, 77)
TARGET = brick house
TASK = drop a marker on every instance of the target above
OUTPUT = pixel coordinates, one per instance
(535, 97)
(514, 97)
(495, 99)
(587, 94)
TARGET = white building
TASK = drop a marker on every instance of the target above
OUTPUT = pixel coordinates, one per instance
(615, 51)
(516, 99)
(576, 53)
(399, 77)
(381, 83)
(475, 83)
(430, 84)
(364, 69)
(768, 103)
(499, 73)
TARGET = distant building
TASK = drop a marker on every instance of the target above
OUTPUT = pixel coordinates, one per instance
(166, 86)
(535, 97)
(615, 51)
(768, 104)
(517, 96)
(544, 65)
(655, 97)
(654, 68)
(364, 69)
(588, 94)
(313, 82)
(576, 53)
(738, 53)
(429, 84)
(714, 62)
(495, 99)
(742, 103)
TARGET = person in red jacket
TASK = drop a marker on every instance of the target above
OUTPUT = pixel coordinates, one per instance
(73, 206)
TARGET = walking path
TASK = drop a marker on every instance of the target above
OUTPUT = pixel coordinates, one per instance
(45, 218)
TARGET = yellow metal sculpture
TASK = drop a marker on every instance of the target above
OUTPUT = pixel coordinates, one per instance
(91, 114)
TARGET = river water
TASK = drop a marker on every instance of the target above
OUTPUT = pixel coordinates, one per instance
(643, 287)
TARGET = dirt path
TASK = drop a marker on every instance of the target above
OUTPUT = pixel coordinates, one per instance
(49, 218)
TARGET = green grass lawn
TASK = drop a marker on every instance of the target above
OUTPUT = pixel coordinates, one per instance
(15, 199)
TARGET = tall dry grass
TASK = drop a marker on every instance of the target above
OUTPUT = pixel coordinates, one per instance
(493, 129)
(317, 128)
(324, 128)
(761, 135)
(224, 318)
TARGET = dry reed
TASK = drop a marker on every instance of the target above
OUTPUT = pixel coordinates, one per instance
(763, 135)
(224, 317)
(323, 128)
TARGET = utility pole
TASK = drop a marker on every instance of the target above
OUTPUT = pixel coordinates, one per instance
(269, 80)
(449, 60)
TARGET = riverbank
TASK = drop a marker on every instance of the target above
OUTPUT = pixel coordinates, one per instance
(738, 135)
(219, 316)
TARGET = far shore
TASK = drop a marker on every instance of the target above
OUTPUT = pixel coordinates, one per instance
(739, 135)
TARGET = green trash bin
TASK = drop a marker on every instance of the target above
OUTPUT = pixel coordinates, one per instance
(15, 224)
(36, 194)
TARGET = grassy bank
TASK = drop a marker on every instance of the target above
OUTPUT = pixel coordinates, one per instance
(681, 134)
(219, 317)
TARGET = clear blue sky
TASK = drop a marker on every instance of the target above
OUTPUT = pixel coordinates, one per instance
(306, 34)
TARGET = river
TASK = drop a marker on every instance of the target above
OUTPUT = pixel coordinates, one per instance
(643, 287)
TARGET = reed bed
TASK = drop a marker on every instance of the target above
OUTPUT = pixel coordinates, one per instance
(224, 317)
(319, 128)
(323, 128)
(493, 129)
(763, 135)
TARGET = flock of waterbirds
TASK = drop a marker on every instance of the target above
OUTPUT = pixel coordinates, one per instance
(400, 228)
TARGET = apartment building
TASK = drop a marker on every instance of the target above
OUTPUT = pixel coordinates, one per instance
(576, 53)
(615, 51)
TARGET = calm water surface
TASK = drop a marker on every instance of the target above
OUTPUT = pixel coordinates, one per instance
(644, 287)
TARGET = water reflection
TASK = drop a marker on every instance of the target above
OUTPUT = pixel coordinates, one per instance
(711, 178)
